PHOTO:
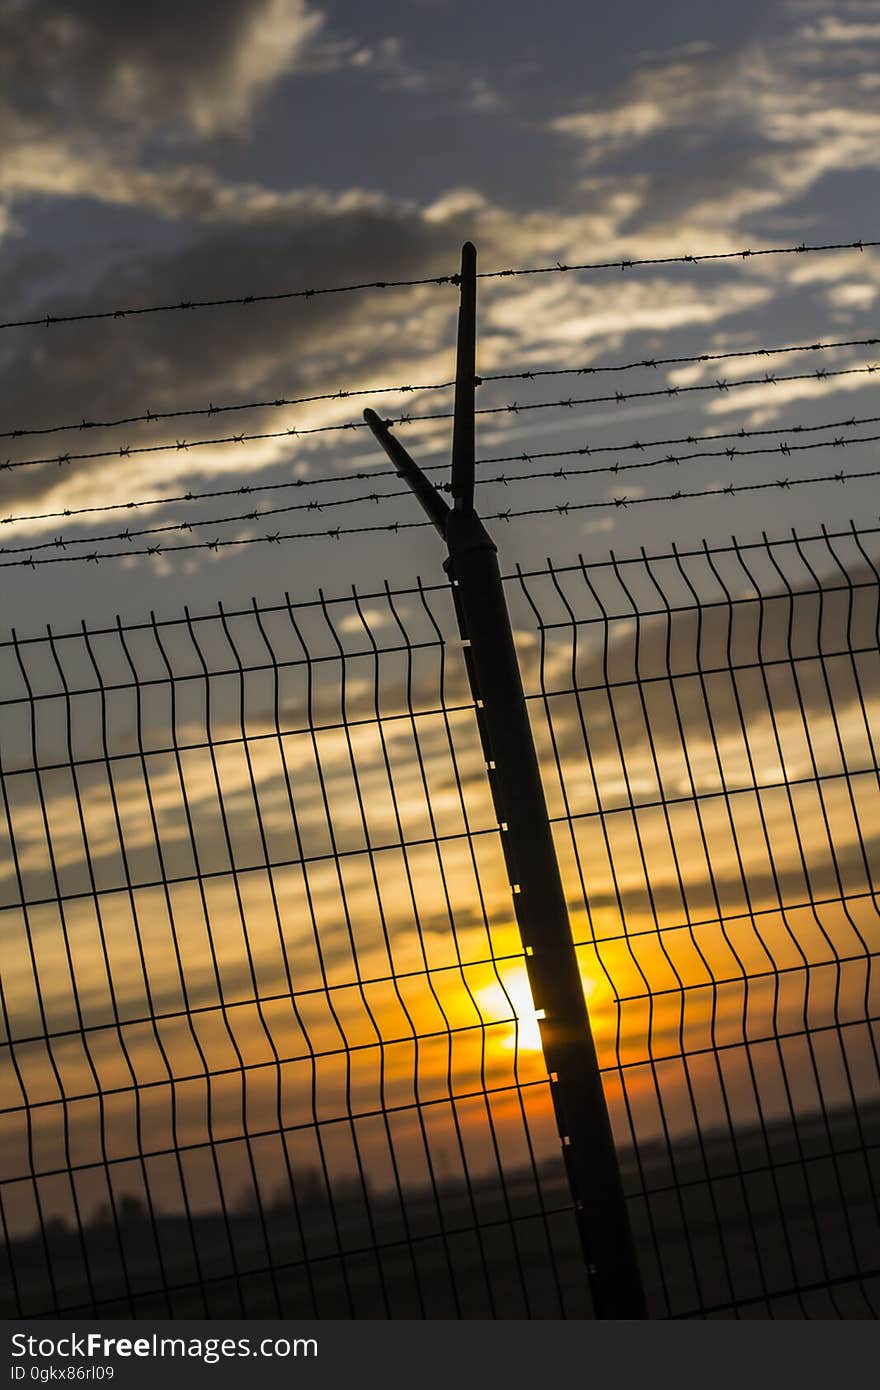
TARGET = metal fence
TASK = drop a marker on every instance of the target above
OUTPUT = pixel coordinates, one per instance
(268, 1039)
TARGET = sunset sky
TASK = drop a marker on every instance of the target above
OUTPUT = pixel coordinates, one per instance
(221, 148)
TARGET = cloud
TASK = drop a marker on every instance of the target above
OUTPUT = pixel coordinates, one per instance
(746, 132)
(264, 242)
(744, 129)
(202, 67)
(87, 89)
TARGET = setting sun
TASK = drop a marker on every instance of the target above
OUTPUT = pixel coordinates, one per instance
(510, 997)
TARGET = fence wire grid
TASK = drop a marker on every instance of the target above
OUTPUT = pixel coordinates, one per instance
(268, 1044)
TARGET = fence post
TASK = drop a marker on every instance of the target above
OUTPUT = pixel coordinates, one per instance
(530, 855)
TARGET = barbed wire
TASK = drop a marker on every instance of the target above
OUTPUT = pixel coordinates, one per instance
(680, 259)
(368, 475)
(731, 452)
(49, 320)
(511, 408)
(277, 402)
(258, 514)
(336, 533)
(226, 301)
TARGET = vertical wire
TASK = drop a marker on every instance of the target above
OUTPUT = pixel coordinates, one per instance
(276, 913)
(501, 822)
(7, 1245)
(847, 775)
(484, 916)
(313, 921)
(743, 880)
(753, 918)
(138, 936)
(383, 925)
(118, 1023)
(77, 1005)
(16, 1067)
(557, 758)
(783, 912)
(447, 901)
(867, 723)
(670, 837)
(704, 843)
(184, 988)
(631, 811)
(233, 871)
(221, 1004)
(20, 1080)
(869, 877)
(834, 859)
(322, 962)
(517, 1090)
(510, 1003)
(413, 905)
(807, 1032)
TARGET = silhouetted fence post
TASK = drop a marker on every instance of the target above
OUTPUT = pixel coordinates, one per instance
(530, 855)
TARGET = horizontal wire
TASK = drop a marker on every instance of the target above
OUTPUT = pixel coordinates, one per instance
(319, 1122)
(225, 301)
(791, 1291)
(48, 320)
(257, 514)
(367, 475)
(511, 408)
(606, 812)
(334, 533)
(735, 547)
(618, 1067)
(151, 416)
(682, 259)
(730, 452)
(851, 586)
(342, 1254)
(325, 990)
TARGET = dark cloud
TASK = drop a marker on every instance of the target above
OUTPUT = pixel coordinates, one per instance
(199, 65)
(164, 362)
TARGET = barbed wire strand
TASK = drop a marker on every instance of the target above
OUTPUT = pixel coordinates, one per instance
(49, 320)
(246, 489)
(335, 533)
(730, 452)
(277, 402)
(624, 264)
(257, 514)
(511, 408)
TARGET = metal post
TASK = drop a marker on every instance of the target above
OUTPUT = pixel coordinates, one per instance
(530, 855)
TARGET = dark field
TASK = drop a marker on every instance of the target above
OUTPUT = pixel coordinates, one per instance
(785, 1226)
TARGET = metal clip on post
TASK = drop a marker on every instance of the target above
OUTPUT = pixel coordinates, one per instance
(530, 855)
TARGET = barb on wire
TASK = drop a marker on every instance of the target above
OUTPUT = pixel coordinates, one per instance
(639, 445)
(224, 301)
(511, 408)
(682, 259)
(256, 514)
(337, 532)
(406, 388)
(730, 452)
(727, 490)
(48, 320)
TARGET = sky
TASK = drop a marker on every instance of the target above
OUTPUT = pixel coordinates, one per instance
(153, 154)
(159, 153)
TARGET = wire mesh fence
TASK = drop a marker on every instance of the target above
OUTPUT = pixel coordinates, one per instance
(269, 1046)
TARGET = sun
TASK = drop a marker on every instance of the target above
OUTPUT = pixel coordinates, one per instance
(508, 1007)
(508, 1000)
